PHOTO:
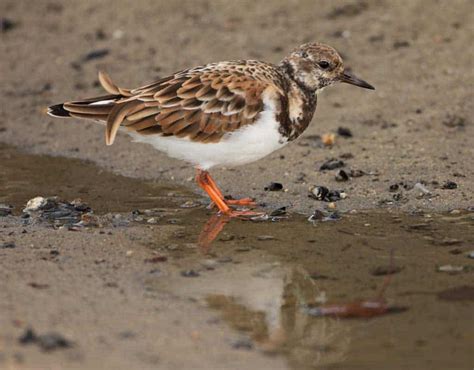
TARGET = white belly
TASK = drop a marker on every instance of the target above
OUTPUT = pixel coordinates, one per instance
(248, 144)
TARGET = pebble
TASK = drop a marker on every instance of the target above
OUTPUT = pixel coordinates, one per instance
(265, 237)
(422, 188)
(332, 164)
(8, 245)
(35, 204)
(189, 273)
(344, 131)
(273, 186)
(47, 342)
(342, 176)
(5, 210)
(450, 268)
(243, 343)
(152, 220)
(470, 254)
(450, 185)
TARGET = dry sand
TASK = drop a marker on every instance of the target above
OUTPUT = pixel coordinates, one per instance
(417, 125)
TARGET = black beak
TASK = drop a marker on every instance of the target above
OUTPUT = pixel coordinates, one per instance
(353, 80)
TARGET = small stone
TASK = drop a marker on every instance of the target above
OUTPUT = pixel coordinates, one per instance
(243, 343)
(332, 205)
(450, 185)
(156, 259)
(8, 245)
(273, 186)
(450, 268)
(189, 273)
(129, 253)
(342, 176)
(5, 210)
(393, 187)
(6, 25)
(422, 188)
(470, 254)
(265, 237)
(344, 131)
(152, 220)
(332, 164)
(35, 204)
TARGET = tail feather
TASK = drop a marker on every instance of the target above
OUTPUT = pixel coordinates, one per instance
(111, 109)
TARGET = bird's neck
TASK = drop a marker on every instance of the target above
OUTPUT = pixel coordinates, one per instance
(299, 106)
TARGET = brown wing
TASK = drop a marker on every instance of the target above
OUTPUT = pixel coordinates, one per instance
(201, 104)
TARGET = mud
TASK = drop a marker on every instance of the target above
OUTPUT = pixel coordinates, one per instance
(144, 295)
(417, 127)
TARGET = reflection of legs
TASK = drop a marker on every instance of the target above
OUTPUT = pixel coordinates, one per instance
(206, 182)
(211, 230)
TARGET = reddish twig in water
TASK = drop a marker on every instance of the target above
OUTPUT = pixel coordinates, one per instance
(360, 309)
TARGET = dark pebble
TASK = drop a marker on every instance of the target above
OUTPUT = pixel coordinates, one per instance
(243, 343)
(95, 54)
(156, 259)
(47, 342)
(273, 186)
(6, 25)
(5, 210)
(450, 185)
(278, 212)
(344, 131)
(342, 176)
(401, 44)
(393, 187)
(8, 245)
(189, 273)
(265, 237)
(331, 164)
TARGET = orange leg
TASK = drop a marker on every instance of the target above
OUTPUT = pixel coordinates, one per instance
(205, 181)
(230, 202)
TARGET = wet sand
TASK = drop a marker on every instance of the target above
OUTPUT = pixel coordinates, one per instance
(130, 293)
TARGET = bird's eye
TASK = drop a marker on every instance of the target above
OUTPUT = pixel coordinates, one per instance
(324, 64)
(304, 54)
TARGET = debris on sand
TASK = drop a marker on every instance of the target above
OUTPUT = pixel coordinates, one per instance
(450, 185)
(5, 210)
(189, 273)
(328, 139)
(344, 132)
(8, 245)
(322, 193)
(6, 25)
(322, 216)
(422, 189)
(47, 342)
(342, 176)
(58, 211)
(450, 269)
(273, 186)
(332, 164)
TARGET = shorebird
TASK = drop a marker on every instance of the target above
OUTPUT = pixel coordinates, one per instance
(221, 114)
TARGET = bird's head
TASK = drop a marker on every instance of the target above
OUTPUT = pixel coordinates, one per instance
(314, 66)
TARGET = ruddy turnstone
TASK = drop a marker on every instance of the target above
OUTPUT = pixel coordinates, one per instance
(220, 114)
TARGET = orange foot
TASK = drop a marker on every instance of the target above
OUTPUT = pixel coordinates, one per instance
(206, 182)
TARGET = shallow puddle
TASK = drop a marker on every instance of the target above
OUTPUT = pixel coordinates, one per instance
(260, 278)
